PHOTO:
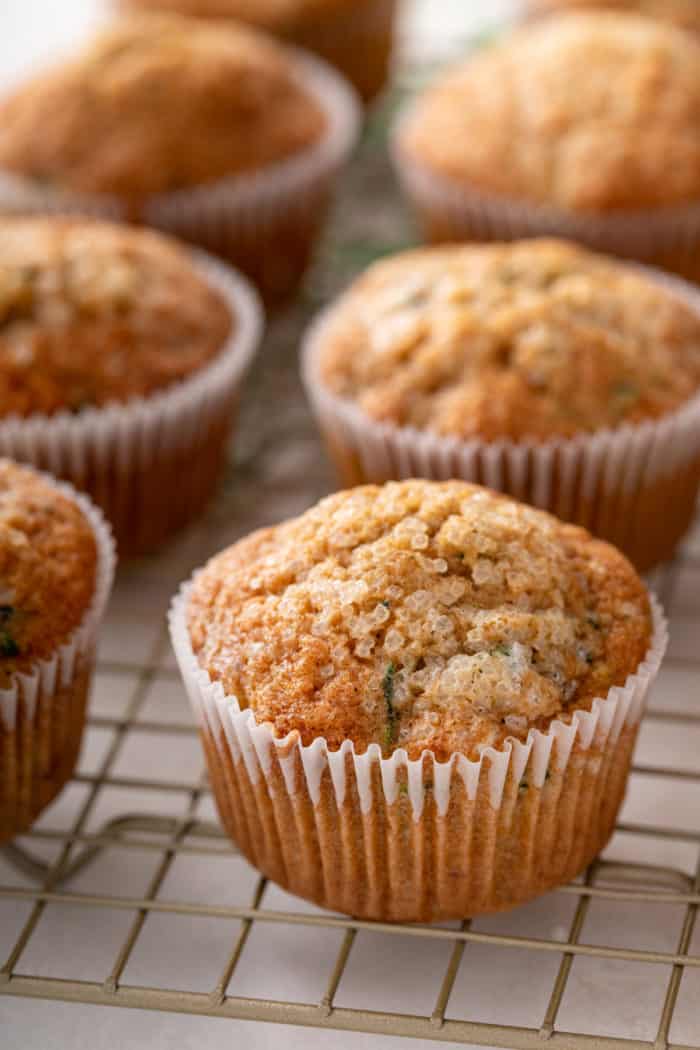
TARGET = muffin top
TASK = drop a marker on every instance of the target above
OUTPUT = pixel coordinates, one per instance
(159, 103)
(524, 341)
(587, 112)
(92, 313)
(684, 13)
(418, 615)
(273, 15)
(48, 566)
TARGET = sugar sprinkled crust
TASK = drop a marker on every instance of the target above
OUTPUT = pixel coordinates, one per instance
(684, 13)
(48, 564)
(158, 103)
(526, 340)
(589, 112)
(92, 313)
(418, 615)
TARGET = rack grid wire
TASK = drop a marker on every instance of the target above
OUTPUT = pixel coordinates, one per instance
(140, 743)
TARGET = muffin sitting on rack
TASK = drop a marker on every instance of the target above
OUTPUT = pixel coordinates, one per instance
(121, 358)
(582, 125)
(56, 569)
(418, 701)
(564, 378)
(217, 134)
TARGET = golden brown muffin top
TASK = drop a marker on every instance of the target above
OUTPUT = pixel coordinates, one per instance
(160, 103)
(588, 112)
(684, 13)
(48, 566)
(92, 312)
(278, 16)
(418, 615)
(529, 340)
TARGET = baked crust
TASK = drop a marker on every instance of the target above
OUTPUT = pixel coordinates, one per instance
(418, 615)
(159, 103)
(588, 112)
(277, 16)
(48, 564)
(528, 340)
(685, 13)
(93, 313)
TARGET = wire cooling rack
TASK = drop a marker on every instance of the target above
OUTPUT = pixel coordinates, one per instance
(126, 893)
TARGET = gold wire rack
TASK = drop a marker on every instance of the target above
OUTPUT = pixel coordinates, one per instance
(73, 849)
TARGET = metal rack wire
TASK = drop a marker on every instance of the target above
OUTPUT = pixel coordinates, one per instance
(187, 834)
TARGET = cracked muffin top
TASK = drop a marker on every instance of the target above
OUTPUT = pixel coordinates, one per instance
(273, 15)
(684, 13)
(159, 103)
(528, 340)
(48, 567)
(587, 112)
(93, 313)
(418, 615)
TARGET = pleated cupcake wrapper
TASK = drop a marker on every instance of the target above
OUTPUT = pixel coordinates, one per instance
(601, 480)
(264, 783)
(450, 210)
(115, 451)
(42, 711)
(232, 216)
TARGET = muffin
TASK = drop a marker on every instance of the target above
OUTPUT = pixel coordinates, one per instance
(564, 378)
(355, 36)
(121, 359)
(418, 701)
(56, 569)
(213, 133)
(583, 125)
(685, 13)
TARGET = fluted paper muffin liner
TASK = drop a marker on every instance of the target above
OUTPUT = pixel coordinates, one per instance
(418, 840)
(265, 223)
(42, 711)
(448, 210)
(151, 463)
(635, 485)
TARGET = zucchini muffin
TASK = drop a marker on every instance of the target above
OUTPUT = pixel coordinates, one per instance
(56, 566)
(685, 13)
(355, 36)
(167, 121)
(419, 667)
(560, 376)
(584, 125)
(103, 330)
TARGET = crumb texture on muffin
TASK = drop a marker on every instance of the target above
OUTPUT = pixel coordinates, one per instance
(684, 13)
(588, 112)
(93, 313)
(274, 15)
(418, 615)
(534, 339)
(159, 103)
(48, 565)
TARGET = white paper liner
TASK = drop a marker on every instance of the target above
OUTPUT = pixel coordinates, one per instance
(376, 782)
(668, 236)
(42, 711)
(245, 208)
(598, 480)
(105, 450)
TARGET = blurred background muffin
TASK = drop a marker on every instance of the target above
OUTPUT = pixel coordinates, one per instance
(685, 13)
(56, 569)
(355, 36)
(564, 378)
(216, 133)
(376, 649)
(585, 125)
(121, 359)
